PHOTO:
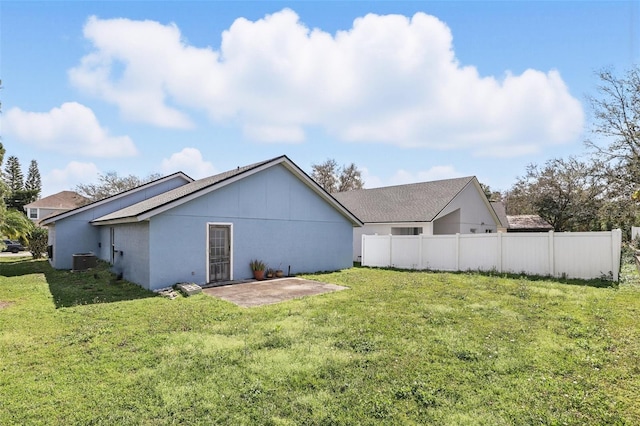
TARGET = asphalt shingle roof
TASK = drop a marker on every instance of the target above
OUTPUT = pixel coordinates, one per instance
(417, 202)
(176, 194)
(501, 212)
(61, 200)
(528, 221)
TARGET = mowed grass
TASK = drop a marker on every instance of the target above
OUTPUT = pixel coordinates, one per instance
(398, 347)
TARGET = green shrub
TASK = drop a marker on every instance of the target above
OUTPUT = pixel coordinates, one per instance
(38, 242)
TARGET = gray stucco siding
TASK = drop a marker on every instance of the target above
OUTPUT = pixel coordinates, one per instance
(275, 217)
(71, 237)
(76, 235)
(131, 242)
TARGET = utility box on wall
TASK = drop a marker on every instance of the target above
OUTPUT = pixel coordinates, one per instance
(84, 261)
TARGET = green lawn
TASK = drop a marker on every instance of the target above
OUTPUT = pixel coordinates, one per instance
(397, 348)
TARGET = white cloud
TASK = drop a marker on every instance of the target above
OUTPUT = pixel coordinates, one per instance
(189, 161)
(434, 173)
(72, 128)
(67, 179)
(370, 181)
(388, 79)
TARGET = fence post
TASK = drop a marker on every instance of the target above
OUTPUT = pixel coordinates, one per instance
(362, 251)
(390, 251)
(616, 246)
(552, 256)
(458, 251)
(420, 241)
(499, 260)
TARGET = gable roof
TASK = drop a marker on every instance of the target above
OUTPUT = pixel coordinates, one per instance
(175, 197)
(62, 200)
(51, 219)
(417, 202)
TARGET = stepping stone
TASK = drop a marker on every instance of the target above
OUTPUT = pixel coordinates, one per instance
(189, 289)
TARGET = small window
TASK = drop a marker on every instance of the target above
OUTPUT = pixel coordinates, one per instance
(488, 231)
(33, 213)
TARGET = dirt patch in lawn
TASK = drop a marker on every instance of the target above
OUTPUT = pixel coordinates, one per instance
(5, 304)
(260, 293)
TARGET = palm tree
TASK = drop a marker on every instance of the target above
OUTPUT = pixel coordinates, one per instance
(15, 225)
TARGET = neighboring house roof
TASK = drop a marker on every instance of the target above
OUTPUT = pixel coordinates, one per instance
(501, 212)
(417, 202)
(528, 221)
(170, 199)
(64, 200)
(52, 219)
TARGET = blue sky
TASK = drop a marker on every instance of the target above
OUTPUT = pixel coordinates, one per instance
(409, 91)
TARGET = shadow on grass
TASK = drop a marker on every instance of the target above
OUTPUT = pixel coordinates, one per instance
(604, 282)
(97, 285)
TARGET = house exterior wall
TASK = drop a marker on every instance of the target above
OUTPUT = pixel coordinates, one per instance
(447, 224)
(383, 229)
(474, 212)
(74, 234)
(131, 259)
(275, 217)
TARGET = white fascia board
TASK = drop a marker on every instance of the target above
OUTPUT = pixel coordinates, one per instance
(280, 160)
(203, 191)
(130, 219)
(320, 191)
(486, 202)
(114, 197)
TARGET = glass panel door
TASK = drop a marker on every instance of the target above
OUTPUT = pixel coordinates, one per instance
(219, 253)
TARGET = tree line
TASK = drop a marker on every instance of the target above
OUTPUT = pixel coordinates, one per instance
(599, 190)
(15, 193)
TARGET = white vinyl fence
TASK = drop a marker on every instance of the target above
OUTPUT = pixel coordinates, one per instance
(635, 232)
(582, 255)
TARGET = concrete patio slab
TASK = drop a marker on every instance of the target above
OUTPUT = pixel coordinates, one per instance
(267, 292)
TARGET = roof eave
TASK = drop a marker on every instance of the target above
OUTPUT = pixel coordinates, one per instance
(285, 161)
(72, 212)
(130, 219)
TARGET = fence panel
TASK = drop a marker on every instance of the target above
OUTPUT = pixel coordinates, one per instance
(583, 255)
(526, 252)
(478, 252)
(377, 250)
(439, 252)
(405, 252)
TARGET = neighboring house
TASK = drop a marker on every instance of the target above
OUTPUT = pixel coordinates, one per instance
(207, 231)
(447, 206)
(519, 223)
(54, 204)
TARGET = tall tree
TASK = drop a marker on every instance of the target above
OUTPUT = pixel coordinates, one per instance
(350, 178)
(616, 127)
(13, 174)
(490, 194)
(33, 182)
(111, 184)
(16, 225)
(568, 194)
(325, 174)
(337, 179)
(616, 131)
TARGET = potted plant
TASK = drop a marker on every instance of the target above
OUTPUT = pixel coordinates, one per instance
(278, 272)
(270, 273)
(258, 267)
